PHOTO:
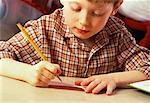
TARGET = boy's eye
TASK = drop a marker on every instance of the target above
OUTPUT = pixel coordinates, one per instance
(97, 13)
(75, 7)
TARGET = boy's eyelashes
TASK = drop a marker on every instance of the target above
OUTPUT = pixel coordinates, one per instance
(77, 9)
(93, 13)
(97, 14)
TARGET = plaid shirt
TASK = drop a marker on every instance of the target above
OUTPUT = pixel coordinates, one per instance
(114, 49)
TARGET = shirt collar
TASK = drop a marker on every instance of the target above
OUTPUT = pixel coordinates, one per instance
(102, 38)
(68, 33)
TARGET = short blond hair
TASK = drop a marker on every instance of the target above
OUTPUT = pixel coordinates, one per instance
(106, 1)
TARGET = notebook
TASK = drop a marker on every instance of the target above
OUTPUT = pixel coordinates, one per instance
(142, 85)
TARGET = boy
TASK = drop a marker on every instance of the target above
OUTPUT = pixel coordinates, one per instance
(82, 39)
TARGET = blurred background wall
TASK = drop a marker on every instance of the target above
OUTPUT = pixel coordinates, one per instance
(13, 11)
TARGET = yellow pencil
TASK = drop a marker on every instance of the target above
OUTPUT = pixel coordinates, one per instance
(34, 45)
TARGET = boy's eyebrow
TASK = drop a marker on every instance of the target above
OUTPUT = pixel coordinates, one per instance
(74, 2)
(71, 2)
(96, 1)
(93, 1)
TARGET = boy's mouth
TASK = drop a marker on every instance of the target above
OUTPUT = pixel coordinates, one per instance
(81, 31)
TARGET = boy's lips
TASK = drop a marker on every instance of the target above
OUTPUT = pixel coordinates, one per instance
(81, 31)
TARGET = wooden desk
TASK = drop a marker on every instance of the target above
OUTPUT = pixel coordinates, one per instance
(14, 91)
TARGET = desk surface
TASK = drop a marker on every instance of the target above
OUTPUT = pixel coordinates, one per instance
(14, 91)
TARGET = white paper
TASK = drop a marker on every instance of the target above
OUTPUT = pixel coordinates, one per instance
(143, 85)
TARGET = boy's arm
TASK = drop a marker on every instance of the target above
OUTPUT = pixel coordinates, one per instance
(133, 57)
(14, 69)
(37, 75)
(127, 77)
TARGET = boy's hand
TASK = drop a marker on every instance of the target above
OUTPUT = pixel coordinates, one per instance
(95, 84)
(41, 73)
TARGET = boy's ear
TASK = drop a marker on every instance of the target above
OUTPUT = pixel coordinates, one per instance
(116, 7)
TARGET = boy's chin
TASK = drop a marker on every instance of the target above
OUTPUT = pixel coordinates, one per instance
(82, 38)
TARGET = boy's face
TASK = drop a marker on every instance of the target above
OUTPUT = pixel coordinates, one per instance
(85, 18)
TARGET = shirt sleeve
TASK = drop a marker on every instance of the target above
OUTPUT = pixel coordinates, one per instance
(19, 48)
(6, 50)
(133, 56)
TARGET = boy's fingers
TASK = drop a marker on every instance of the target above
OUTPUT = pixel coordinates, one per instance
(78, 82)
(54, 68)
(110, 89)
(87, 81)
(91, 86)
(44, 78)
(84, 82)
(46, 73)
(99, 87)
(41, 84)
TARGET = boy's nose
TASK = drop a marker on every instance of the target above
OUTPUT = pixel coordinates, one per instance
(84, 19)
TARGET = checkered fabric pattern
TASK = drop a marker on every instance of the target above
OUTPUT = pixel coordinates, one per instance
(114, 49)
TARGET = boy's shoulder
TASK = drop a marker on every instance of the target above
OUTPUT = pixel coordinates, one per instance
(56, 15)
(116, 20)
(54, 20)
(114, 25)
